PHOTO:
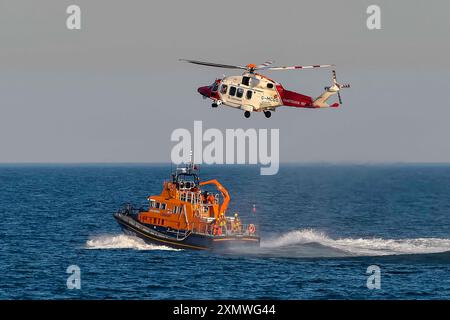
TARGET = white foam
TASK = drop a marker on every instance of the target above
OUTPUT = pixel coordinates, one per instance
(122, 241)
(361, 246)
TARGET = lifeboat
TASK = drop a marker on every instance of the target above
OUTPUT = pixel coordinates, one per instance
(188, 216)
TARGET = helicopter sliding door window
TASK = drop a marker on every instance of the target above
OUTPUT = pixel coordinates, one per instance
(223, 89)
(240, 92)
(249, 94)
(232, 91)
(246, 81)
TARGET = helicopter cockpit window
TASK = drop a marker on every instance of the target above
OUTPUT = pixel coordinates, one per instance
(246, 81)
(215, 87)
(232, 91)
(249, 94)
(270, 85)
(223, 89)
(240, 92)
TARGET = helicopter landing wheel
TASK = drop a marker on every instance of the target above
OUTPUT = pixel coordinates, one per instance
(214, 105)
(247, 114)
(268, 114)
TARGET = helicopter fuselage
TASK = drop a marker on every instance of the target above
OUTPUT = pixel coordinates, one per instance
(254, 93)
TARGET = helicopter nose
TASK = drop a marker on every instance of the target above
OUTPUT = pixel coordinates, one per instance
(204, 91)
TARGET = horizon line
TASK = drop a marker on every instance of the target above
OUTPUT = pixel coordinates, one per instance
(233, 164)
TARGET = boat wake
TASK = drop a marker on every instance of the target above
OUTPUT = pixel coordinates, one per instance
(122, 241)
(300, 243)
(318, 242)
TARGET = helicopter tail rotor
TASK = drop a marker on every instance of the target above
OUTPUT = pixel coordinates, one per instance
(339, 86)
(336, 87)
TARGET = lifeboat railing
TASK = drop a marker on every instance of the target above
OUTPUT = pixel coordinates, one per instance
(128, 209)
(194, 197)
(208, 229)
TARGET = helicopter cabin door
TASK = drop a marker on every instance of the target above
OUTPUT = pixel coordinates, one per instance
(235, 95)
(240, 93)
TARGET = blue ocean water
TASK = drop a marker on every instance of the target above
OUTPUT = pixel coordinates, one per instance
(321, 227)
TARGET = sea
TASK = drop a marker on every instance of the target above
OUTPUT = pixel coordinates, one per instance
(328, 231)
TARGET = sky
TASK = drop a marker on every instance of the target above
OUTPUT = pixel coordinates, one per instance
(114, 91)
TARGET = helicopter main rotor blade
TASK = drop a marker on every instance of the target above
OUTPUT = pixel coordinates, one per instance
(264, 65)
(301, 67)
(211, 64)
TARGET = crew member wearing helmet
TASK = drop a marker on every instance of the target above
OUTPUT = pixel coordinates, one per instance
(222, 222)
(237, 223)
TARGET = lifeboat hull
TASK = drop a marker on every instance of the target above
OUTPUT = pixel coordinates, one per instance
(183, 239)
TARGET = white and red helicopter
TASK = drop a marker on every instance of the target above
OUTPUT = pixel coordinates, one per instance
(254, 92)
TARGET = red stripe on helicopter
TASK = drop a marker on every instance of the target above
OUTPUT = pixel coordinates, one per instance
(294, 99)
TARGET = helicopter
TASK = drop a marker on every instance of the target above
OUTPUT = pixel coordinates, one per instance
(254, 92)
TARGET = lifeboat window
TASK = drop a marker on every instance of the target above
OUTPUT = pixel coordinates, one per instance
(175, 209)
(163, 206)
(157, 204)
(249, 94)
(232, 91)
(223, 89)
(240, 92)
(246, 81)
(152, 203)
(270, 85)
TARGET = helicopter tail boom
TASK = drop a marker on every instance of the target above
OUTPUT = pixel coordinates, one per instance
(321, 101)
